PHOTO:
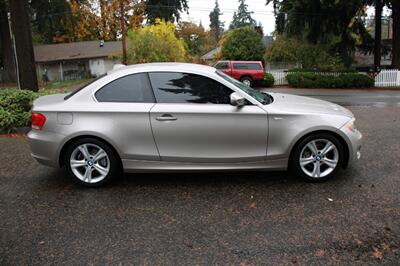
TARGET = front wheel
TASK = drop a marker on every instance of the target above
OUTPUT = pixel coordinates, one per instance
(317, 157)
(91, 162)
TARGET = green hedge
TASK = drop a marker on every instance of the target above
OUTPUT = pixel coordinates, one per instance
(326, 70)
(312, 80)
(268, 80)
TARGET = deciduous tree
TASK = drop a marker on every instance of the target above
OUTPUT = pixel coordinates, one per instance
(155, 43)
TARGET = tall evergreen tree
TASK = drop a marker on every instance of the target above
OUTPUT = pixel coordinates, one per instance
(6, 51)
(21, 27)
(395, 4)
(242, 17)
(216, 26)
(51, 20)
(168, 10)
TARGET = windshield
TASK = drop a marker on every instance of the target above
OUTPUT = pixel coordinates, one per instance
(261, 97)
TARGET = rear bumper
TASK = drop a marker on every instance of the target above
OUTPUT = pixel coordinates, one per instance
(45, 146)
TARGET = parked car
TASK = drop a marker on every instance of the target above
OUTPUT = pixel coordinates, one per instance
(247, 72)
(175, 116)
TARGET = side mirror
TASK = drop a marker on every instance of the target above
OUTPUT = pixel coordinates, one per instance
(237, 99)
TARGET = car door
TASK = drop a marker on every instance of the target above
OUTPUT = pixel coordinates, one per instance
(123, 107)
(193, 121)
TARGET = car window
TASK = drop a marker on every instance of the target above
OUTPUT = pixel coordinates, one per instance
(222, 65)
(131, 88)
(171, 87)
(248, 66)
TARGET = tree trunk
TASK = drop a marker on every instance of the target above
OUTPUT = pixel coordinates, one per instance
(21, 27)
(7, 56)
(378, 35)
(396, 34)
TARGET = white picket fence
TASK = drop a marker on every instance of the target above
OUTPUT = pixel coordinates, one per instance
(388, 78)
(385, 78)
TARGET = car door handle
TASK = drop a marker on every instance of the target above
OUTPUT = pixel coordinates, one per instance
(166, 117)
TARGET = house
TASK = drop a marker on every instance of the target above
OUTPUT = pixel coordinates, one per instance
(77, 60)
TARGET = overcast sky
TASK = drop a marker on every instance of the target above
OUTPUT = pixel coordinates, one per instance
(199, 10)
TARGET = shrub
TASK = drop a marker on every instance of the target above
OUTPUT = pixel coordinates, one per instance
(15, 106)
(268, 80)
(309, 56)
(313, 80)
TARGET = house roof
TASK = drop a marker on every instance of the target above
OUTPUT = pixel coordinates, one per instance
(210, 54)
(75, 50)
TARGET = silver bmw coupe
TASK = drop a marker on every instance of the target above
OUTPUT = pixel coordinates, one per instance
(187, 117)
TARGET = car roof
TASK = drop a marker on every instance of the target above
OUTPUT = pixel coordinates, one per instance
(243, 62)
(152, 67)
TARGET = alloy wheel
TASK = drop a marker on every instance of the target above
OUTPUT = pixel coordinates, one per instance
(90, 163)
(319, 158)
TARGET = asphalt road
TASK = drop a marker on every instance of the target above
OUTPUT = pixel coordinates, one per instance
(247, 218)
(346, 97)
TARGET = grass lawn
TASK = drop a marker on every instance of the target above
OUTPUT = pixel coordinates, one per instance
(64, 85)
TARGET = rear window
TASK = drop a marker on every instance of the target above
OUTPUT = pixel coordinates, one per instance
(133, 88)
(247, 66)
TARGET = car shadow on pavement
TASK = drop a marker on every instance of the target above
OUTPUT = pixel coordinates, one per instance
(205, 179)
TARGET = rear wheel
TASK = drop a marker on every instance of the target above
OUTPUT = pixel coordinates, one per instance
(91, 162)
(247, 81)
(317, 157)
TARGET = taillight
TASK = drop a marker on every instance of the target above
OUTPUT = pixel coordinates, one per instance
(38, 120)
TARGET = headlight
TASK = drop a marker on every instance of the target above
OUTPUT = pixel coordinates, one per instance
(350, 125)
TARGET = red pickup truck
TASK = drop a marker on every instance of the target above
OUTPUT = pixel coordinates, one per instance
(246, 71)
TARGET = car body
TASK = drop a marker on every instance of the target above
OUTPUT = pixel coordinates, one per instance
(185, 117)
(245, 71)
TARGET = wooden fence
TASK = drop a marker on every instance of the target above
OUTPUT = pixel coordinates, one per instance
(388, 78)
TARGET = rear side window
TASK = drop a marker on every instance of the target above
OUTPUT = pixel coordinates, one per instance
(248, 66)
(171, 87)
(222, 65)
(132, 88)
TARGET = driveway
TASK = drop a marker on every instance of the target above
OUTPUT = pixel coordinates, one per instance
(247, 218)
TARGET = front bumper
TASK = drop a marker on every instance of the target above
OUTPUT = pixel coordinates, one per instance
(354, 143)
(45, 146)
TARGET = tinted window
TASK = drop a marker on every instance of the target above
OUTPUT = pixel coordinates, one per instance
(250, 66)
(222, 65)
(131, 88)
(172, 87)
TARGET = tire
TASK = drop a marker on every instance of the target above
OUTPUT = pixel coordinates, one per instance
(247, 81)
(317, 165)
(102, 169)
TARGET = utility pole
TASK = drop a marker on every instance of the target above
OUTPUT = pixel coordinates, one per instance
(14, 50)
(123, 31)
